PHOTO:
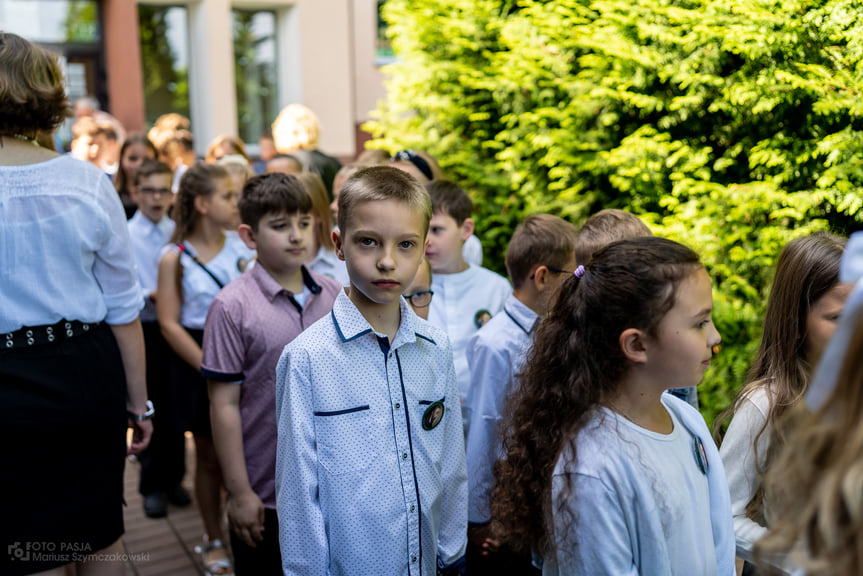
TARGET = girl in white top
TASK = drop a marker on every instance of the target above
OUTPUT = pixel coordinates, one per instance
(604, 474)
(802, 310)
(207, 255)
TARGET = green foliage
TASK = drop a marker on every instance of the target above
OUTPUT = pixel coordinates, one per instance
(729, 125)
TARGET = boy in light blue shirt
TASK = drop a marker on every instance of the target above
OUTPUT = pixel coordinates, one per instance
(370, 470)
(540, 256)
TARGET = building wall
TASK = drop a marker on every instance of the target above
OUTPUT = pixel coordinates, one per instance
(325, 61)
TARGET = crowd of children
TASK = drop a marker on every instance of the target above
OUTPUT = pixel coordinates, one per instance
(366, 398)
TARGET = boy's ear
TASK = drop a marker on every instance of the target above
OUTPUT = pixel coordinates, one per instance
(247, 235)
(632, 343)
(337, 240)
(466, 229)
(540, 278)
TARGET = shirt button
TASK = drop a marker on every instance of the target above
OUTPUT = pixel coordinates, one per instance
(412, 507)
(413, 559)
(398, 405)
(404, 456)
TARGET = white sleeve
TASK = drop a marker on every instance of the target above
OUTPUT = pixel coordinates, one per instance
(490, 376)
(302, 534)
(738, 455)
(591, 535)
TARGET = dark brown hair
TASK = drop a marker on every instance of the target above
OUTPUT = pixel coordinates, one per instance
(379, 183)
(450, 199)
(150, 167)
(604, 227)
(272, 194)
(32, 94)
(542, 239)
(575, 364)
(121, 179)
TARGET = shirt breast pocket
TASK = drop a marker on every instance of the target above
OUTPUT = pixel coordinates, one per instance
(346, 439)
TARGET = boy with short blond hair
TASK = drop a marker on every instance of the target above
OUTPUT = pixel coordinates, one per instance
(465, 295)
(370, 472)
(539, 258)
(605, 227)
(248, 324)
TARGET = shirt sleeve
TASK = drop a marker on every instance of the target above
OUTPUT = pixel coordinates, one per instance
(114, 264)
(604, 549)
(452, 540)
(223, 349)
(490, 377)
(738, 455)
(302, 535)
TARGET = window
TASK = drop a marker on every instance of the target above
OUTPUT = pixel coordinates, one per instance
(384, 53)
(254, 35)
(164, 32)
(52, 21)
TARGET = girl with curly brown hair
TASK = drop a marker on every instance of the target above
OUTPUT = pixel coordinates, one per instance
(604, 473)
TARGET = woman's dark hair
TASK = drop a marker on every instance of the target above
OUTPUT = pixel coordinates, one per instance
(32, 95)
(122, 180)
(574, 365)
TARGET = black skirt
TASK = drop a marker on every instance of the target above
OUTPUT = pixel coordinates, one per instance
(62, 451)
(190, 392)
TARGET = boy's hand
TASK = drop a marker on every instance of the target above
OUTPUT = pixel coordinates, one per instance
(246, 517)
(479, 538)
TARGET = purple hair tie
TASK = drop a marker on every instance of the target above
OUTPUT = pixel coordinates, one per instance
(579, 272)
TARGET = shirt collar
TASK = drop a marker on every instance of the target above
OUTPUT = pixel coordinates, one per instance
(324, 256)
(270, 288)
(519, 314)
(351, 324)
(161, 227)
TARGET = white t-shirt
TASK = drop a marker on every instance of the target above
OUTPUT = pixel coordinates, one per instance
(640, 502)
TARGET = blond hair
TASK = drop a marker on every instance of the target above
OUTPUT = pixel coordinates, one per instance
(816, 481)
(605, 227)
(296, 128)
(317, 191)
(379, 183)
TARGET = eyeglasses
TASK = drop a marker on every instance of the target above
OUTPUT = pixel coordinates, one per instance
(420, 298)
(553, 269)
(154, 191)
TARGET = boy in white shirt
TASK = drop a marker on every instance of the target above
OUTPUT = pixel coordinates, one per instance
(163, 463)
(465, 296)
(370, 470)
(540, 256)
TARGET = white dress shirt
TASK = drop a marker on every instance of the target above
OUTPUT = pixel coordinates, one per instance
(495, 355)
(327, 263)
(64, 247)
(148, 242)
(361, 486)
(457, 300)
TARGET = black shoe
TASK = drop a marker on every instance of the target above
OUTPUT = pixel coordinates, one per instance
(154, 505)
(179, 497)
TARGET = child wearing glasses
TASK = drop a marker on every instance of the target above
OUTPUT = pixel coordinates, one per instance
(419, 293)
(465, 295)
(163, 462)
(540, 256)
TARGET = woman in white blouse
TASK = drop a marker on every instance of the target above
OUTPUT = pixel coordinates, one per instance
(71, 349)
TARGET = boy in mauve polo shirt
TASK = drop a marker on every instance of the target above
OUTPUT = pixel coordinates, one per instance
(248, 324)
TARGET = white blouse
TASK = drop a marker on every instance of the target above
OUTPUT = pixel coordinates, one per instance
(64, 247)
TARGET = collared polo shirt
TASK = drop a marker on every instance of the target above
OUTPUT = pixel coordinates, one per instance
(495, 355)
(362, 486)
(249, 323)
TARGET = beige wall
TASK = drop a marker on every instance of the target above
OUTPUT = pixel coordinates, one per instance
(326, 62)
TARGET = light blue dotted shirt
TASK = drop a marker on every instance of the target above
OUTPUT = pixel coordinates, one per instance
(362, 487)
